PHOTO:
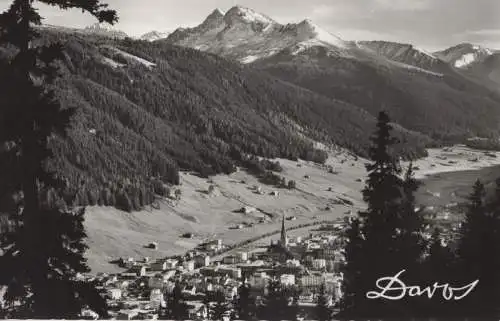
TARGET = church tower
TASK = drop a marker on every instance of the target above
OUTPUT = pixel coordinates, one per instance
(284, 238)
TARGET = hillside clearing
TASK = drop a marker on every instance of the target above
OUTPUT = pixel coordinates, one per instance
(113, 233)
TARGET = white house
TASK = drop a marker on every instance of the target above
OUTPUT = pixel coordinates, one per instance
(243, 256)
(287, 279)
(115, 294)
(156, 299)
(319, 264)
(188, 265)
(171, 263)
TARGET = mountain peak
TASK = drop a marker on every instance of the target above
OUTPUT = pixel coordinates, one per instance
(246, 15)
(215, 15)
(464, 54)
(154, 35)
(308, 30)
(105, 29)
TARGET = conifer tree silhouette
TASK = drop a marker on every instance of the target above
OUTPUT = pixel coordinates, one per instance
(323, 310)
(478, 254)
(43, 251)
(386, 238)
(245, 303)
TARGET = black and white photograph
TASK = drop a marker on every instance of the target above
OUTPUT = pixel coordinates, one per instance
(325, 160)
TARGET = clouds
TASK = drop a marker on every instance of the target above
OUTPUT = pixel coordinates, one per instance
(403, 5)
(430, 24)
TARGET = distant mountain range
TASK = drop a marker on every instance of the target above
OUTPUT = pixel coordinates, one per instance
(247, 36)
(240, 83)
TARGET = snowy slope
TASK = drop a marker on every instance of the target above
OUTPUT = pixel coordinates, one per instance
(101, 29)
(104, 29)
(463, 55)
(407, 55)
(128, 57)
(154, 35)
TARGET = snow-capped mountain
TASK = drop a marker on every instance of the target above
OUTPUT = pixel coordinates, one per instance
(104, 29)
(245, 35)
(464, 55)
(406, 54)
(154, 35)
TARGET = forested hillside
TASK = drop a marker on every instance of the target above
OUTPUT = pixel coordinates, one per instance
(448, 107)
(148, 109)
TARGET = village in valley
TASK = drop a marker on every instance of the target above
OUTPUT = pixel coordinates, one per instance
(311, 265)
(206, 281)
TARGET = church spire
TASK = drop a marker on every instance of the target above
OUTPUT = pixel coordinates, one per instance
(284, 239)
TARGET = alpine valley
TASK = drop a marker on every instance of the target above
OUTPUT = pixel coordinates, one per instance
(235, 89)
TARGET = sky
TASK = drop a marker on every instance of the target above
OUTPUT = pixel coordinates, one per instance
(428, 24)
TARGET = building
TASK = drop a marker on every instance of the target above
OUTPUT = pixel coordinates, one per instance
(138, 270)
(258, 281)
(287, 279)
(156, 299)
(310, 282)
(215, 245)
(115, 294)
(189, 290)
(230, 259)
(232, 272)
(243, 256)
(167, 275)
(127, 314)
(319, 264)
(157, 281)
(208, 271)
(158, 266)
(171, 263)
(202, 260)
(188, 265)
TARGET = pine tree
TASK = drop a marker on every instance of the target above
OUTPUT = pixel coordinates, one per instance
(323, 311)
(478, 253)
(355, 262)
(44, 251)
(410, 244)
(386, 238)
(440, 267)
(275, 302)
(176, 307)
(220, 305)
(245, 303)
